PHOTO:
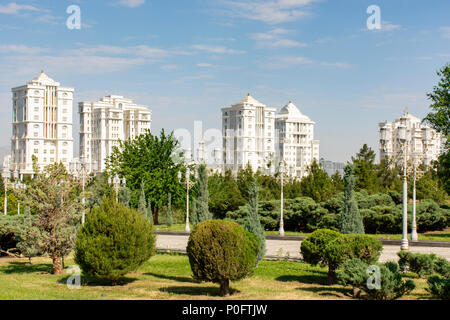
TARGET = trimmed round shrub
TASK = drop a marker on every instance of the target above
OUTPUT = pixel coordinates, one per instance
(114, 241)
(221, 251)
(313, 250)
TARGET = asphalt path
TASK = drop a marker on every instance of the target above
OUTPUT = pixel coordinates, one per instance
(291, 248)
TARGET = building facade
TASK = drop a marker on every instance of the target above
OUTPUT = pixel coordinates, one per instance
(297, 146)
(41, 124)
(330, 167)
(103, 123)
(248, 130)
(423, 142)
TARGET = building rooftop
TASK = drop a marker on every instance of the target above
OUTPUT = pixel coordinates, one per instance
(250, 101)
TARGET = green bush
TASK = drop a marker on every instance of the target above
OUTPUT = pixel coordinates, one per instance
(114, 241)
(356, 273)
(439, 287)
(313, 250)
(221, 251)
(430, 216)
(10, 229)
(423, 264)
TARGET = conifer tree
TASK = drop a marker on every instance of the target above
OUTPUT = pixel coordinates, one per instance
(202, 211)
(142, 207)
(350, 221)
(193, 218)
(252, 223)
(125, 196)
(30, 237)
(169, 217)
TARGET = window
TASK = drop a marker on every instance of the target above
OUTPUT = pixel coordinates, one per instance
(36, 150)
(36, 100)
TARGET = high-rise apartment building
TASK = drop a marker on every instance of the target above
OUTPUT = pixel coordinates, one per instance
(103, 123)
(423, 142)
(41, 124)
(248, 130)
(297, 146)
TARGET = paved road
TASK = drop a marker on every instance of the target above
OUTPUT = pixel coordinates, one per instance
(292, 247)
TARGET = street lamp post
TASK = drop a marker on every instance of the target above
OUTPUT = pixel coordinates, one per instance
(281, 231)
(188, 184)
(116, 182)
(6, 177)
(18, 185)
(414, 235)
(404, 141)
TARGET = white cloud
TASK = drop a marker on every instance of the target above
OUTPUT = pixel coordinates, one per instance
(215, 49)
(204, 65)
(22, 49)
(14, 8)
(169, 67)
(271, 12)
(272, 39)
(445, 32)
(131, 3)
(292, 61)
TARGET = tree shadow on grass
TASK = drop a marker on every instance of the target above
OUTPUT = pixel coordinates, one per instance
(174, 278)
(97, 282)
(318, 278)
(329, 291)
(25, 267)
(196, 291)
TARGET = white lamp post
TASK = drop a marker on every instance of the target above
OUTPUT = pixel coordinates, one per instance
(188, 184)
(402, 135)
(116, 182)
(281, 231)
(6, 177)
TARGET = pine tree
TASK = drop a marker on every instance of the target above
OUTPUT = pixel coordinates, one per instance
(252, 223)
(142, 207)
(202, 211)
(350, 221)
(169, 217)
(30, 237)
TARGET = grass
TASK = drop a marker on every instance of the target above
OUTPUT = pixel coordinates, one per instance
(169, 277)
(434, 236)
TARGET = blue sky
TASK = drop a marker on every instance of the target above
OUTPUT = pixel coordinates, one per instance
(187, 59)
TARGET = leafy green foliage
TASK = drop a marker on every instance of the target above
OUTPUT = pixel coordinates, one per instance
(169, 215)
(148, 158)
(424, 264)
(350, 220)
(317, 185)
(142, 208)
(224, 194)
(10, 228)
(221, 251)
(364, 168)
(114, 241)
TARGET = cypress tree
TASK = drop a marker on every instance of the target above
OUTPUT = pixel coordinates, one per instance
(142, 207)
(125, 196)
(350, 221)
(193, 219)
(169, 217)
(202, 211)
(252, 223)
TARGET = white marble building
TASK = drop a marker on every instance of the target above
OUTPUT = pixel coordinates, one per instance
(248, 130)
(103, 123)
(423, 142)
(41, 124)
(297, 146)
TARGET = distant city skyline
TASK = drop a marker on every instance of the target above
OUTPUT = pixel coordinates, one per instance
(187, 60)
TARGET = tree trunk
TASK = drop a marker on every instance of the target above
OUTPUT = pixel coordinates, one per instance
(356, 292)
(331, 275)
(57, 264)
(224, 288)
(156, 216)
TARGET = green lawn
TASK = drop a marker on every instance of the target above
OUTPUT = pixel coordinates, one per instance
(170, 277)
(438, 236)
